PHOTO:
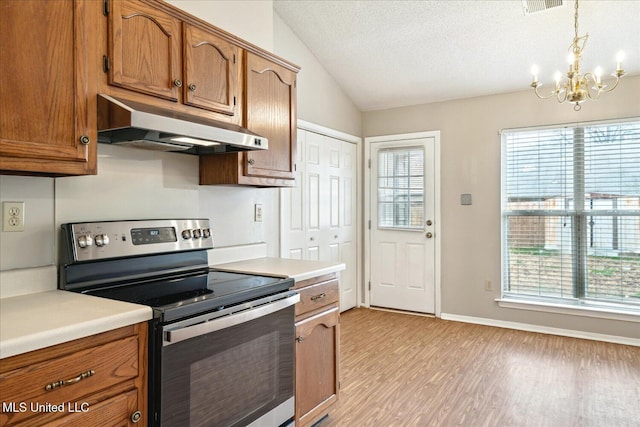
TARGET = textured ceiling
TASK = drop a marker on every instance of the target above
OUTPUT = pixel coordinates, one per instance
(387, 54)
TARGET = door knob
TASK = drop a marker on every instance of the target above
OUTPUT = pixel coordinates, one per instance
(429, 235)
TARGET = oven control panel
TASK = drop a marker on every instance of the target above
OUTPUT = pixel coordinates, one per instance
(91, 241)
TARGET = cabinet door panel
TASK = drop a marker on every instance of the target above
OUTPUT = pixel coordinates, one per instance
(271, 112)
(43, 115)
(317, 349)
(144, 48)
(212, 72)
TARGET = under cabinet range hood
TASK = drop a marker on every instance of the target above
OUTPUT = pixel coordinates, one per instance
(134, 124)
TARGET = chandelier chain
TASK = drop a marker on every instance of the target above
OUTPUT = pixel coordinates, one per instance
(576, 21)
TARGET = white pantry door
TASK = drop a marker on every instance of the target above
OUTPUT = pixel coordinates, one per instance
(402, 224)
(319, 215)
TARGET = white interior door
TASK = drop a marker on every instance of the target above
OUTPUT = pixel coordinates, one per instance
(402, 209)
(319, 215)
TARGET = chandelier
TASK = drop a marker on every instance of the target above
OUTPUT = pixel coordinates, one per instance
(574, 86)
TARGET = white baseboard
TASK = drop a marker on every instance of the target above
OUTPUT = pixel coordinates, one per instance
(542, 329)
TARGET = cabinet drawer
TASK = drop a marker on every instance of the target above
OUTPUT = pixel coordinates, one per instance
(115, 412)
(109, 364)
(316, 296)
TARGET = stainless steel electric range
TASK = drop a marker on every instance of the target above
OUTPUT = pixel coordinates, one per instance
(221, 345)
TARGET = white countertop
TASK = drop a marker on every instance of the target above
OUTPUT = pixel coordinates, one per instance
(282, 267)
(49, 316)
(39, 320)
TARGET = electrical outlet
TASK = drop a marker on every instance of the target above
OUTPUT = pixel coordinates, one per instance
(12, 216)
(257, 213)
(488, 285)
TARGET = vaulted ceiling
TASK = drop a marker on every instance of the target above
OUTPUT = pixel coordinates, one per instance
(388, 54)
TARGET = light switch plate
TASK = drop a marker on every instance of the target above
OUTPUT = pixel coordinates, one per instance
(257, 213)
(465, 199)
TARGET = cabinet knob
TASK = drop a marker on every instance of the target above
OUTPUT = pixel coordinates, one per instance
(192, 87)
(84, 140)
(300, 339)
(429, 235)
(135, 417)
(252, 162)
(177, 83)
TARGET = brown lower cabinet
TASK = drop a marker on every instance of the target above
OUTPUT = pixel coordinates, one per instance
(98, 380)
(317, 348)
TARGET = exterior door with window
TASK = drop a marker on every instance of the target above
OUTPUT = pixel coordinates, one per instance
(402, 225)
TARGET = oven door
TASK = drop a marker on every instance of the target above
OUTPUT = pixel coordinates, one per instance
(230, 369)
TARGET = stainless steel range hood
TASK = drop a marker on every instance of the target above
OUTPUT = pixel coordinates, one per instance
(143, 126)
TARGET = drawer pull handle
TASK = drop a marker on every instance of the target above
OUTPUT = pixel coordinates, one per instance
(317, 297)
(70, 381)
(300, 339)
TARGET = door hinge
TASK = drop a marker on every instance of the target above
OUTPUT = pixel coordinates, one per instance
(105, 10)
(234, 58)
(105, 63)
(234, 100)
(369, 284)
(369, 224)
(369, 163)
(295, 167)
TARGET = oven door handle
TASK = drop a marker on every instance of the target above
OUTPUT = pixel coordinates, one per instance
(185, 333)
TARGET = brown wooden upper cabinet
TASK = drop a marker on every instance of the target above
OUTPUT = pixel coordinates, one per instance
(212, 71)
(144, 50)
(47, 88)
(155, 53)
(270, 111)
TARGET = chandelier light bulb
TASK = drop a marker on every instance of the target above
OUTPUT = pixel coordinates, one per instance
(598, 73)
(557, 77)
(534, 71)
(619, 59)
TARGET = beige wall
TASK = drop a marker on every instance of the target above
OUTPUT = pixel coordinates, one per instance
(320, 99)
(251, 20)
(470, 163)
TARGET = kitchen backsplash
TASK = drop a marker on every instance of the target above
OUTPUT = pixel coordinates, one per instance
(132, 184)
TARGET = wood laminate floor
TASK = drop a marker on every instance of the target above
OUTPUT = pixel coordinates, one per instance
(404, 370)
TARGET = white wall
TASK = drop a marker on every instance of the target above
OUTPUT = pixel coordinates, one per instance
(470, 163)
(320, 100)
(251, 20)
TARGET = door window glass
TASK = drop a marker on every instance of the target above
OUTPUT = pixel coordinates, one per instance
(401, 188)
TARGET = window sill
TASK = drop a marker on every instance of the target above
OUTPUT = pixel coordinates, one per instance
(601, 312)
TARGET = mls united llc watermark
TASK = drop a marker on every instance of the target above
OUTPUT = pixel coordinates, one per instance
(70, 407)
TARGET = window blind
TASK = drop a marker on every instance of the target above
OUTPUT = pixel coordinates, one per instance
(571, 212)
(401, 188)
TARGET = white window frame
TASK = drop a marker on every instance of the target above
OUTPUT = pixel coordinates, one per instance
(576, 306)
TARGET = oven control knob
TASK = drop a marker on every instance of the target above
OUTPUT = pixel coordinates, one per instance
(85, 240)
(186, 234)
(197, 233)
(206, 233)
(101, 240)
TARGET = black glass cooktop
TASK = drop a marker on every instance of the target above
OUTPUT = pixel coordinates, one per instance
(180, 297)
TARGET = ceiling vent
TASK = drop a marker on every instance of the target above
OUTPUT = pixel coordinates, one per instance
(535, 6)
